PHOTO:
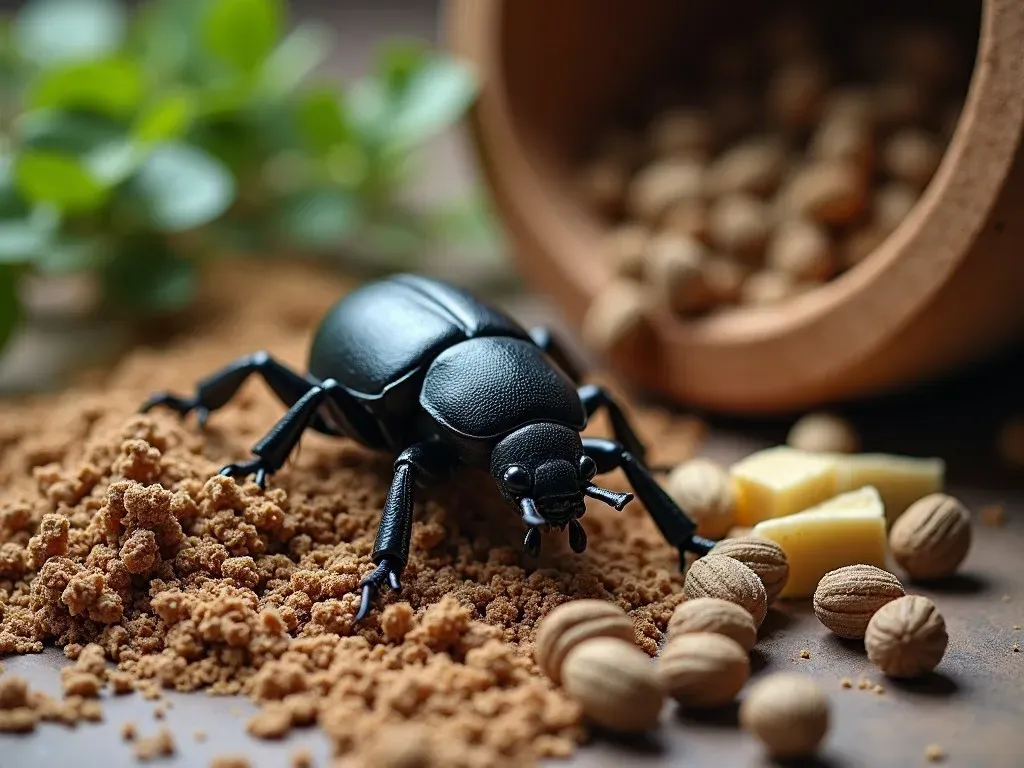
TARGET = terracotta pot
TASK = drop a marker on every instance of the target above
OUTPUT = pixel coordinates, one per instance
(945, 288)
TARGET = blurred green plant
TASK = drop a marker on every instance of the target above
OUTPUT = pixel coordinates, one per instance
(135, 145)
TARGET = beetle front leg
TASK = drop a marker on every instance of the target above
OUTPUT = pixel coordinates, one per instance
(594, 397)
(391, 547)
(678, 529)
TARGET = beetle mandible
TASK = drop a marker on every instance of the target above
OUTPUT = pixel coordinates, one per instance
(420, 368)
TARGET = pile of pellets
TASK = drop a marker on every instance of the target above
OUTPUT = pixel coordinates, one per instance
(801, 150)
(120, 544)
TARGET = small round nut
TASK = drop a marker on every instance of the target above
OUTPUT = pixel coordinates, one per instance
(688, 218)
(906, 637)
(569, 624)
(616, 317)
(704, 490)
(912, 156)
(712, 614)
(768, 286)
(892, 203)
(724, 276)
(703, 670)
(729, 579)
(625, 246)
(829, 192)
(823, 433)
(765, 558)
(615, 684)
(788, 713)
(847, 598)
(672, 270)
(685, 133)
(753, 167)
(658, 186)
(932, 537)
(845, 141)
(740, 224)
(796, 94)
(803, 249)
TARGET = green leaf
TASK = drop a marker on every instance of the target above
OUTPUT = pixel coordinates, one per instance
(303, 50)
(60, 180)
(165, 119)
(321, 119)
(66, 132)
(68, 256)
(113, 162)
(147, 278)
(435, 97)
(10, 303)
(319, 217)
(466, 220)
(110, 87)
(182, 187)
(398, 60)
(49, 31)
(242, 33)
(24, 234)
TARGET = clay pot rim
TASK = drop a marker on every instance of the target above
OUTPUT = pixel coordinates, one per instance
(888, 288)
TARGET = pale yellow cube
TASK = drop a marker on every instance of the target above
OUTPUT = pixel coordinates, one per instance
(846, 530)
(780, 481)
(901, 480)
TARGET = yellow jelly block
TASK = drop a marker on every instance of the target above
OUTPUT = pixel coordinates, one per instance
(780, 481)
(846, 530)
(901, 480)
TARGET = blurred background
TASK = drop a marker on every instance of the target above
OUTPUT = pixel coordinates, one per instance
(148, 148)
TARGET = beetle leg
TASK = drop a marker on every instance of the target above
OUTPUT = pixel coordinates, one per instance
(556, 350)
(594, 397)
(391, 547)
(273, 450)
(217, 389)
(678, 529)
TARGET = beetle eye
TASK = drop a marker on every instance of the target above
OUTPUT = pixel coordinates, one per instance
(517, 480)
(587, 468)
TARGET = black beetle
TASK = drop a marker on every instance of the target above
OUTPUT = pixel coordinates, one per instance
(424, 370)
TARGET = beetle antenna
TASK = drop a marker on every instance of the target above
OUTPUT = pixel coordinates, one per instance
(530, 514)
(611, 498)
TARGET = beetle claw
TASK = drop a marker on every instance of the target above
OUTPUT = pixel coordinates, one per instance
(532, 542)
(384, 573)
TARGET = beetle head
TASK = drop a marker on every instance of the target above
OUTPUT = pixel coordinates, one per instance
(542, 471)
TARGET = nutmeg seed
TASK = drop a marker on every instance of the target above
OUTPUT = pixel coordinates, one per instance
(847, 598)
(571, 623)
(823, 433)
(615, 684)
(704, 491)
(932, 537)
(788, 712)
(906, 637)
(728, 579)
(703, 670)
(712, 614)
(765, 558)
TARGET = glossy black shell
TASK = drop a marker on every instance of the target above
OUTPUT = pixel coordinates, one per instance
(408, 346)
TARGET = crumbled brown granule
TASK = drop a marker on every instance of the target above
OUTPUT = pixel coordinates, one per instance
(934, 753)
(121, 539)
(864, 684)
(1016, 647)
(128, 731)
(160, 744)
(846, 682)
(159, 712)
(230, 761)
(879, 689)
(804, 653)
(83, 684)
(992, 515)
(274, 721)
(302, 758)
(199, 736)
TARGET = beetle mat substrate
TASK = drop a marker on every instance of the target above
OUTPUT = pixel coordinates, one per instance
(116, 531)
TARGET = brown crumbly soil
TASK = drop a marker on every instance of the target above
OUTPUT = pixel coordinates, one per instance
(119, 542)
